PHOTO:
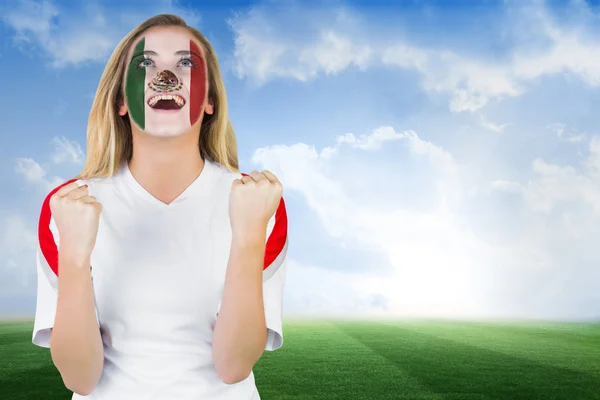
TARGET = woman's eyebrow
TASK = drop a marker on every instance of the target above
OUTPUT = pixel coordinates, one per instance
(177, 53)
(186, 53)
(145, 53)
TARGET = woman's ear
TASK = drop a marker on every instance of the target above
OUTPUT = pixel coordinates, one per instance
(209, 108)
(122, 106)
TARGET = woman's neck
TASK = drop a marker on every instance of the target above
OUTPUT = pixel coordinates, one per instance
(165, 167)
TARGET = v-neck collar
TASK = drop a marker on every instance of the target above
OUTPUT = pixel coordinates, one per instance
(199, 184)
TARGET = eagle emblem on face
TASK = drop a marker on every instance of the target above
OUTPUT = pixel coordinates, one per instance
(165, 81)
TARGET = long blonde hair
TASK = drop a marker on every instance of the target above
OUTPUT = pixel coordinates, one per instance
(109, 140)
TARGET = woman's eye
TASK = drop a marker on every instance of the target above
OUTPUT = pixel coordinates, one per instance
(146, 63)
(185, 63)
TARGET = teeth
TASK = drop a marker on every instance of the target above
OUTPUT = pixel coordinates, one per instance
(178, 99)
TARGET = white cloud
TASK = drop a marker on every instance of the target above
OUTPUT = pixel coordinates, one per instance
(554, 186)
(557, 185)
(407, 56)
(505, 185)
(470, 82)
(17, 256)
(264, 52)
(78, 36)
(32, 17)
(35, 174)
(18, 241)
(437, 155)
(406, 238)
(491, 126)
(332, 54)
(66, 151)
(570, 50)
(373, 141)
(311, 290)
(443, 260)
(30, 170)
(75, 41)
(566, 134)
(280, 55)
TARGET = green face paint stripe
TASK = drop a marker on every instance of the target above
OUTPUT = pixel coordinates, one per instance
(135, 87)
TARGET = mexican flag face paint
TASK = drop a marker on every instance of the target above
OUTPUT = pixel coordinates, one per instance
(166, 82)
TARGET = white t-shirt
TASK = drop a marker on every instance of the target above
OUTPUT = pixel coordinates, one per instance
(158, 273)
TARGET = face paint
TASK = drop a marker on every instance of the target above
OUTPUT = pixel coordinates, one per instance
(166, 82)
(135, 88)
(198, 82)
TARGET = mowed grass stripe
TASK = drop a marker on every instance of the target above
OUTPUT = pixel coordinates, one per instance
(583, 335)
(564, 348)
(581, 328)
(8, 328)
(27, 371)
(318, 361)
(457, 369)
(406, 392)
(367, 360)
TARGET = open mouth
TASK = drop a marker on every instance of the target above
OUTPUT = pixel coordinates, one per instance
(166, 102)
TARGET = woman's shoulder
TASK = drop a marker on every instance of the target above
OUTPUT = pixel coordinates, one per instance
(222, 173)
(222, 179)
(220, 167)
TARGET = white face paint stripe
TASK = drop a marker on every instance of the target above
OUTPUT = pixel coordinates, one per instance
(166, 45)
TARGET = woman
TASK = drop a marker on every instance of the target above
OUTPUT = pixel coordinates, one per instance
(170, 260)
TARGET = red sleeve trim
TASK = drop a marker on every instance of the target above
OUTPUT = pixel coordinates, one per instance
(45, 236)
(278, 237)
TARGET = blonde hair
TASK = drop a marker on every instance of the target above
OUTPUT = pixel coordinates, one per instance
(109, 140)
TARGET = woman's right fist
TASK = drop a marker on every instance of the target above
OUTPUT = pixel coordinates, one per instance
(76, 215)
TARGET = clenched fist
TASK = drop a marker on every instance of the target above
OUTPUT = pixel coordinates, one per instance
(76, 215)
(252, 202)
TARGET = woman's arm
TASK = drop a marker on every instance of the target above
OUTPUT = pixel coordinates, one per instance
(240, 332)
(75, 343)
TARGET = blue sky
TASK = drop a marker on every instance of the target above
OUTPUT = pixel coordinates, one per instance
(439, 158)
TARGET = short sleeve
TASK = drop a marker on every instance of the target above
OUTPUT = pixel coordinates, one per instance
(274, 272)
(47, 274)
(274, 276)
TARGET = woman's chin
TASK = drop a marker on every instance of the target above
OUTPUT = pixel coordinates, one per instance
(165, 131)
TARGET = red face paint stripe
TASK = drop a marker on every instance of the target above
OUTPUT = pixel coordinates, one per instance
(278, 236)
(45, 237)
(197, 85)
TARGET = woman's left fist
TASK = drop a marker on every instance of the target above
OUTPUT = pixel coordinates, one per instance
(252, 202)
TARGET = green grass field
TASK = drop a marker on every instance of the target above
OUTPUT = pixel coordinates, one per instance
(381, 360)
